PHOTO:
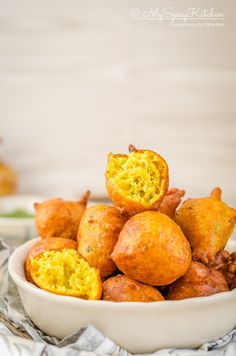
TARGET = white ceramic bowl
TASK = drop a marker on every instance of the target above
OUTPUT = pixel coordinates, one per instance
(17, 230)
(138, 327)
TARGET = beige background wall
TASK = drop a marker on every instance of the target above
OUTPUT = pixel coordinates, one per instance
(81, 78)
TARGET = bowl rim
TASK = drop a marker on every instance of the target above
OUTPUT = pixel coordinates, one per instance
(21, 282)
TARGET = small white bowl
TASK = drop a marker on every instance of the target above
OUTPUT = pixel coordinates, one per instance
(137, 327)
(17, 230)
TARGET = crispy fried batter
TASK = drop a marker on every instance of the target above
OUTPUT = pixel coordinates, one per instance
(58, 218)
(124, 289)
(98, 233)
(152, 249)
(207, 223)
(199, 281)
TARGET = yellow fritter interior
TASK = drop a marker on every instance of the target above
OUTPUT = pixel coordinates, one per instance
(139, 176)
(64, 272)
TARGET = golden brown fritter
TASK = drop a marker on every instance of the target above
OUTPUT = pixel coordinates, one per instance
(59, 218)
(138, 181)
(124, 289)
(171, 202)
(207, 223)
(98, 233)
(198, 281)
(55, 265)
(152, 249)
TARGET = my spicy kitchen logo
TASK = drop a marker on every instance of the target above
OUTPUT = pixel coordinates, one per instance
(192, 16)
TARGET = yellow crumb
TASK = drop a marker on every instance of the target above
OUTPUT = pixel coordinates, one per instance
(138, 176)
(65, 272)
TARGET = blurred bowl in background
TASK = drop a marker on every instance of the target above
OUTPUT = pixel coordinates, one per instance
(17, 218)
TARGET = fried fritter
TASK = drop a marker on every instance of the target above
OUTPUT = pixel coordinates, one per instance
(55, 265)
(152, 249)
(207, 223)
(138, 181)
(58, 218)
(198, 281)
(124, 289)
(98, 233)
